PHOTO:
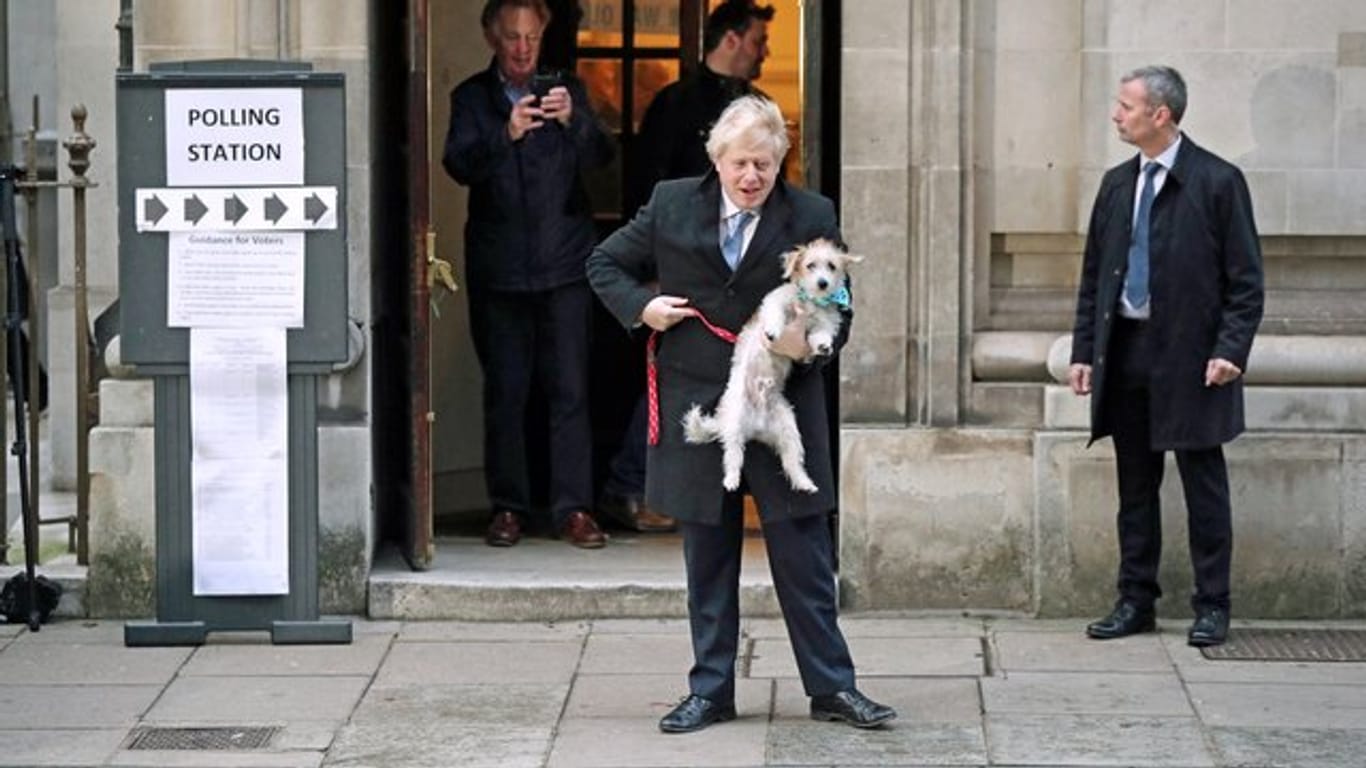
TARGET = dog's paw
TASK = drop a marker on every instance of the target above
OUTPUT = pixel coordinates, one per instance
(805, 485)
(731, 482)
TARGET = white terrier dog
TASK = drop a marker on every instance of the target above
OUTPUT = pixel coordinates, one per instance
(753, 407)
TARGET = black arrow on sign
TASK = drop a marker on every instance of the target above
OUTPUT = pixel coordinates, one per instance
(195, 209)
(153, 210)
(314, 208)
(275, 208)
(234, 209)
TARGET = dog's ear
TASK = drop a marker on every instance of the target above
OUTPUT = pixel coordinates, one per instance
(849, 258)
(791, 259)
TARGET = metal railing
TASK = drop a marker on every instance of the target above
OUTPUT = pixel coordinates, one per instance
(78, 147)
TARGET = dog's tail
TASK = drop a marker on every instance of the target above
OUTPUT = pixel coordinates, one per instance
(699, 428)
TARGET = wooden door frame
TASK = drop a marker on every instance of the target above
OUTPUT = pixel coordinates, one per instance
(421, 548)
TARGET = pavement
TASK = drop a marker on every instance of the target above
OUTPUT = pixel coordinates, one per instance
(970, 691)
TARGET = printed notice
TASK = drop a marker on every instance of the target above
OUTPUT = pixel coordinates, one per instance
(240, 461)
(235, 280)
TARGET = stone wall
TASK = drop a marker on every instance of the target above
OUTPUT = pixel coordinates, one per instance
(964, 481)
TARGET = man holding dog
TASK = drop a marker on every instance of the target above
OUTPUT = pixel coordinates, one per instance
(712, 245)
(1170, 298)
(530, 228)
(671, 145)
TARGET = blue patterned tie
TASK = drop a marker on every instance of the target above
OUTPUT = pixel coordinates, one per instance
(1136, 284)
(735, 237)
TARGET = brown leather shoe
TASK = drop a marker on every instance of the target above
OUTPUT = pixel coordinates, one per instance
(650, 521)
(633, 513)
(505, 529)
(580, 530)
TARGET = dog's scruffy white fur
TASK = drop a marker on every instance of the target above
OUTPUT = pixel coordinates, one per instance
(753, 407)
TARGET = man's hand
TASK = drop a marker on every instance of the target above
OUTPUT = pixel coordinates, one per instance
(558, 105)
(1219, 372)
(525, 117)
(792, 341)
(1079, 378)
(664, 312)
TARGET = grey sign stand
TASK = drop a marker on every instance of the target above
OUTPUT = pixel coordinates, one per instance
(184, 618)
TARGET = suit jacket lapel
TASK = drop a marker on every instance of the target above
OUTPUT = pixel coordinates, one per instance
(707, 227)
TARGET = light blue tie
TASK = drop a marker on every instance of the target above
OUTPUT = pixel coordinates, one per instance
(1136, 284)
(735, 237)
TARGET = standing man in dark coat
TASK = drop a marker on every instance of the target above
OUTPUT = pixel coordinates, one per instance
(1170, 298)
(672, 144)
(676, 243)
(530, 228)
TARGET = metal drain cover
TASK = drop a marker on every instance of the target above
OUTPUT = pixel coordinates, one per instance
(1291, 645)
(222, 738)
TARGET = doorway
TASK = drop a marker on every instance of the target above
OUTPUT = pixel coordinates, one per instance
(426, 406)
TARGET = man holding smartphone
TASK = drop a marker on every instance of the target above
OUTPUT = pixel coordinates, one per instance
(519, 140)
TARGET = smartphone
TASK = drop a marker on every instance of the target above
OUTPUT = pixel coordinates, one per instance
(542, 82)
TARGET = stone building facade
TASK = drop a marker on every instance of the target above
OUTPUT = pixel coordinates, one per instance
(973, 136)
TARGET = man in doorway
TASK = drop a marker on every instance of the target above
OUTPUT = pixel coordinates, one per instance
(672, 144)
(707, 248)
(519, 138)
(1169, 302)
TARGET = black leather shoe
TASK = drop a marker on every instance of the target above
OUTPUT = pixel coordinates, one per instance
(1126, 619)
(695, 713)
(850, 707)
(1210, 628)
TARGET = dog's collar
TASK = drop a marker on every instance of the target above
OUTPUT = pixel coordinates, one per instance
(839, 298)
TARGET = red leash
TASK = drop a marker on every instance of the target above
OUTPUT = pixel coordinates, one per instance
(652, 377)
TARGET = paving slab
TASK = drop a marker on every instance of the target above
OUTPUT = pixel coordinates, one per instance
(480, 662)
(1080, 693)
(520, 705)
(438, 745)
(79, 631)
(74, 706)
(635, 742)
(916, 699)
(643, 627)
(1292, 747)
(177, 758)
(1280, 705)
(802, 741)
(637, 655)
(1025, 624)
(873, 625)
(881, 656)
(57, 663)
(257, 700)
(1071, 652)
(361, 656)
(68, 747)
(522, 632)
(1089, 740)
(652, 696)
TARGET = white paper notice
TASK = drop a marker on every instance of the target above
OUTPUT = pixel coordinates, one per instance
(235, 280)
(240, 434)
(234, 137)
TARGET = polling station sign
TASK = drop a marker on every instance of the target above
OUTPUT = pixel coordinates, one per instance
(234, 137)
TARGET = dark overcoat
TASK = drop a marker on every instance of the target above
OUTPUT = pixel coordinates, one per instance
(1205, 287)
(674, 239)
(530, 224)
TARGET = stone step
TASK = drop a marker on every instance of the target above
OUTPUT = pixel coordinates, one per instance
(635, 576)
